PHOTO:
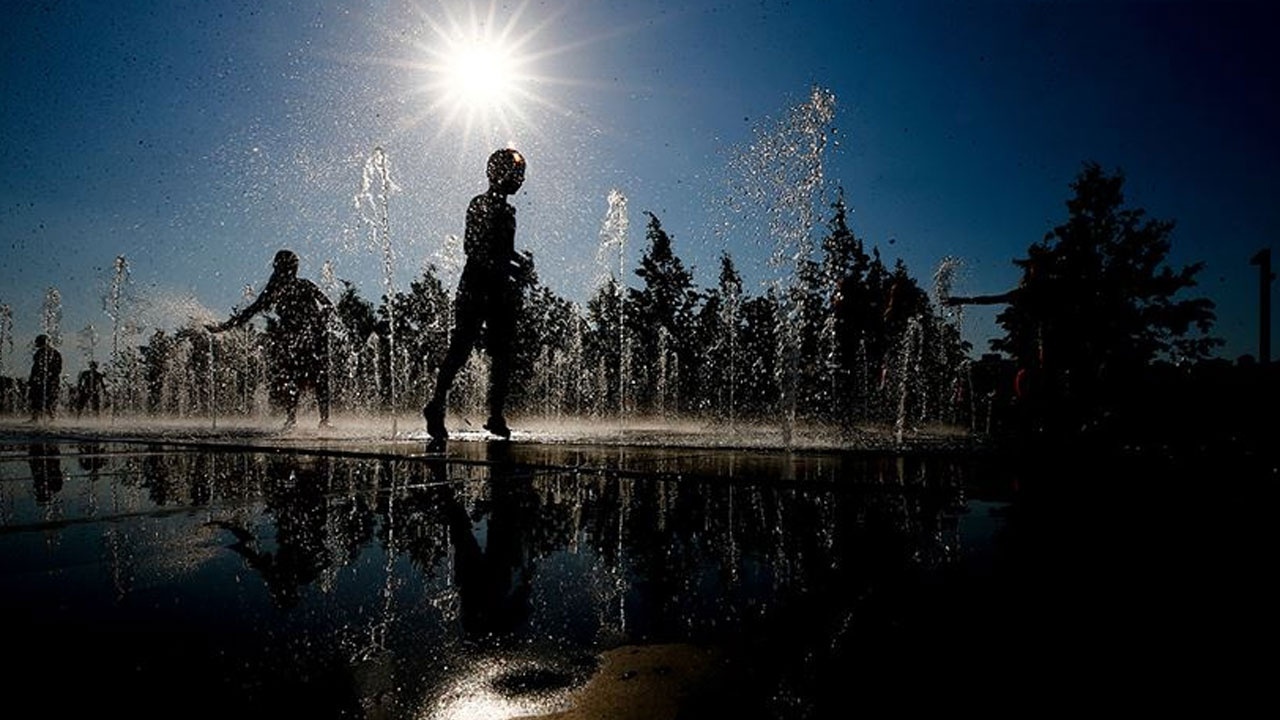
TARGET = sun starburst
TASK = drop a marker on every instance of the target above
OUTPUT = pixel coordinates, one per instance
(478, 75)
(479, 71)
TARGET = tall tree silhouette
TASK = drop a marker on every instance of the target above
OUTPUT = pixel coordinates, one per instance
(548, 377)
(859, 307)
(667, 302)
(720, 337)
(603, 346)
(423, 317)
(360, 348)
(1096, 303)
(842, 251)
(761, 393)
(846, 277)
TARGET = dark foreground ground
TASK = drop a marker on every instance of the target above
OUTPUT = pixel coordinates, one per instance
(204, 572)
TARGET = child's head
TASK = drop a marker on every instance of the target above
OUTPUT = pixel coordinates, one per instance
(506, 171)
(286, 261)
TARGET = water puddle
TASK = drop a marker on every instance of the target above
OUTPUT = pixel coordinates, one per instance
(494, 581)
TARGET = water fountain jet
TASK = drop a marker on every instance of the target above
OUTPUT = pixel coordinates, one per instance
(779, 180)
(373, 202)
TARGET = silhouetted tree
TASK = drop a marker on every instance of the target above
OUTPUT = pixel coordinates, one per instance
(239, 368)
(861, 337)
(667, 303)
(603, 346)
(544, 376)
(194, 382)
(526, 347)
(843, 254)
(760, 353)
(355, 374)
(843, 259)
(905, 300)
(423, 316)
(720, 335)
(811, 297)
(156, 355)
(1096, 304)
(906, 379)
(129, 391)
(355, 312)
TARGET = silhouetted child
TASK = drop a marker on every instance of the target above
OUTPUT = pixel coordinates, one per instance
(90, 387)
(45, 380)
(300, 347)
(488, 294)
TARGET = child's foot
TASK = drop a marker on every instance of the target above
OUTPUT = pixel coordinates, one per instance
(497, 425)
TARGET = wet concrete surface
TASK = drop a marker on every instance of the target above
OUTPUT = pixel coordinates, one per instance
(256, 575)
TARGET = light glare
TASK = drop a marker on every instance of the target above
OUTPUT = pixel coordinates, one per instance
(479, 75)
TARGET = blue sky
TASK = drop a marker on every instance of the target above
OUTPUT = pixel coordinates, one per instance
(197, 138)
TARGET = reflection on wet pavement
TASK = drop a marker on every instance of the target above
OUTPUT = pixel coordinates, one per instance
(509, 581)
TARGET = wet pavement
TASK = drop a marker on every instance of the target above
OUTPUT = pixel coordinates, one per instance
(260, 575)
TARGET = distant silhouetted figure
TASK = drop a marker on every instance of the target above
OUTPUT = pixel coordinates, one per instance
(45, 380)
(90, 387)
(9, 394)
(300, 346)
(488, 294)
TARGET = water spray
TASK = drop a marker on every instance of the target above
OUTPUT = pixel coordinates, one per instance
(779, 181)
(114, 302)
(613, 233)
(373, 202)
(51, 316)
(6, 347)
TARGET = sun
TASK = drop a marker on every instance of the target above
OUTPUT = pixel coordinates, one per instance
(478, 69)
(478, 75)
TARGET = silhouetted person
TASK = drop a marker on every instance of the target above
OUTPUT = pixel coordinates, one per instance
(90, 387)
(45, 379)
(300, 345)
(298, 549)
(488, 294)
(8, 394)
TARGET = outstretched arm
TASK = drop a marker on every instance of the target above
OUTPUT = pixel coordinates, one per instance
(260, 303)
(999, 299)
